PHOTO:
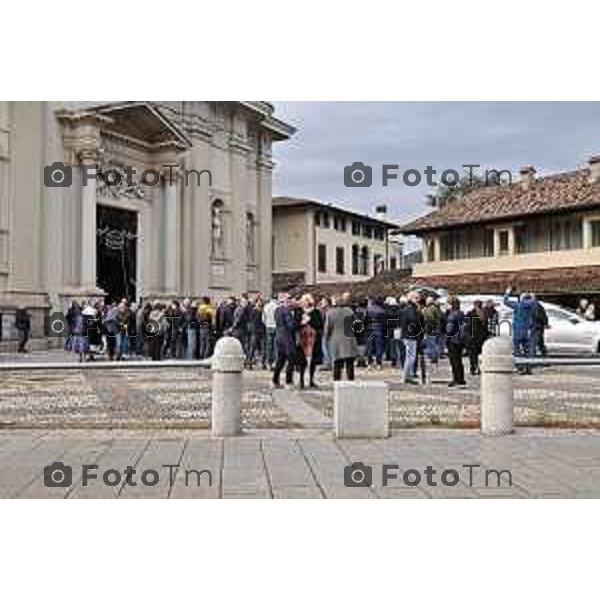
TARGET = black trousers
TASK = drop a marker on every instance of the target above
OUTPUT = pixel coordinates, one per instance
(154, 347)
(455, 352)
(338, 366)
(474, 353)
(303, 363)
(287, 361)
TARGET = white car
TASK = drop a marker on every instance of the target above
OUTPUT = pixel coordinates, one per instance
(568, 333)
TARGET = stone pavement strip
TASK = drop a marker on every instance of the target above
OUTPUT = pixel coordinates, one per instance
(301, 463)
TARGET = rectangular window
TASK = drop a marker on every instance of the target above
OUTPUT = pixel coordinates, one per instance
(521, 239)
(355, 228)
(325, 220)
(393, 263)
(488, 242)
(450, 246)
(503, 241)
(322, 258)
(367, 231)
(339, 261)
(339, 223)
(430, 250)
(595, 233)
(378, 265)
(355, 251)
(318, 218)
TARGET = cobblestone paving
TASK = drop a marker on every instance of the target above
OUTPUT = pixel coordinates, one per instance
(567, 397)
(302, 464)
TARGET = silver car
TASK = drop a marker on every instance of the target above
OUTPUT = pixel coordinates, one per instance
(568, 333)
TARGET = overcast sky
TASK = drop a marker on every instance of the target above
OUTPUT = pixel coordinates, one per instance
(551, 136)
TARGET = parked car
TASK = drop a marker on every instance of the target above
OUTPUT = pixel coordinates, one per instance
(568, 333)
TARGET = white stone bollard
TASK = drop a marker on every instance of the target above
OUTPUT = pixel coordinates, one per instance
(227, 375)
(497, 395)
(360, 409)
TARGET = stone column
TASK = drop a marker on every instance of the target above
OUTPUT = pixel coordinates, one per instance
(198, 186)
(227, 387)
(237, 156)
(89, 162)
(264, 248)
(437, 248)
(497, 395)
(511, 241)
(171, 233)
(586, 233)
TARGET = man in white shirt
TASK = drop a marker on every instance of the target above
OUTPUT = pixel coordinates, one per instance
(269, 321)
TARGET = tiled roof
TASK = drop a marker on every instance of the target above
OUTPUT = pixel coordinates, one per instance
(564, 280)
(554, 193)
(288, 201)
(558, 281)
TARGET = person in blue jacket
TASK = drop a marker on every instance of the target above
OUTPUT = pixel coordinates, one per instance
(522, 325)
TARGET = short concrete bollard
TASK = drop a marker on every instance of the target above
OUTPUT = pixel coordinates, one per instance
(360, 409)
(227, 366)
(497, 395)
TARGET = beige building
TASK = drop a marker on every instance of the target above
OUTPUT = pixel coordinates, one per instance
(315, 242)
(201, 224)
(540, 233)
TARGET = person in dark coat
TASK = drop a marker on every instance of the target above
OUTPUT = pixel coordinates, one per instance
(455, 341)
(539, 326)
(23, 325)
(256, 334)
(239, 326)
(285, 341)
(360, 326)
(311, 339)
(224, 317)
(478, 332)
(72, 312)
(377, 330)
(491, 315)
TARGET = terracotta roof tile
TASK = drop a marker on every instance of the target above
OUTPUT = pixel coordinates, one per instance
(554, 193)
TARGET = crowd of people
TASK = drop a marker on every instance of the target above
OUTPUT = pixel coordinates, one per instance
(296, 335)
(293, 336)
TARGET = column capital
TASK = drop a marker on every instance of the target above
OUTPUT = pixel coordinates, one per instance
(264, 163)
(89, 156)
(82, 135)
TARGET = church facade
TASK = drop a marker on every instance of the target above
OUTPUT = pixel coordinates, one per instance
(133, 199)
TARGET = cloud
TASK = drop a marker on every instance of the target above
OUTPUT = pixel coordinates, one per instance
(551, 136)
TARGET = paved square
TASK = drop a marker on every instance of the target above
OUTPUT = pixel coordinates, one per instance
(302, 464)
